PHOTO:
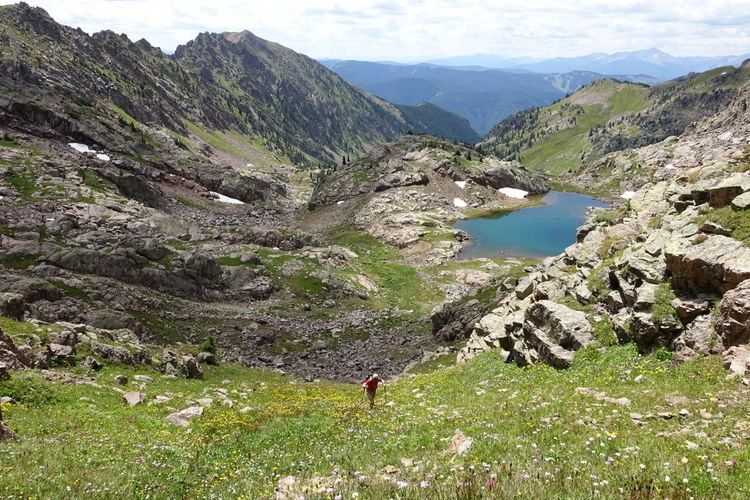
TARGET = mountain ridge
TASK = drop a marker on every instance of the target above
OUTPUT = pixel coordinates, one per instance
(483, 96)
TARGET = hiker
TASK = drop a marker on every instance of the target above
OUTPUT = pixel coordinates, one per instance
(370, 386)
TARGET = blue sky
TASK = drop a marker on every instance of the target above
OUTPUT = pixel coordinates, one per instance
(409, 30)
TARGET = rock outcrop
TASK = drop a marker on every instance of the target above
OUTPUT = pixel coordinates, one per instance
(652, 274)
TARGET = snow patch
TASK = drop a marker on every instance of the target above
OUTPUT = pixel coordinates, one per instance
(84, 149)
(458, 202)
(226, 199)
(627, 195)
(514, 193)
(341, 202)
(461, 184)
(81, 148)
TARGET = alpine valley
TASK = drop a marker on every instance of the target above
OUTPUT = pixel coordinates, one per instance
(203, 253)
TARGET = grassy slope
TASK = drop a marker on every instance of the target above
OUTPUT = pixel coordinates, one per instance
(531, 427)
(561, 151)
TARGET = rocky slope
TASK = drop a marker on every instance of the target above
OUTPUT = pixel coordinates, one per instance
(669, 269)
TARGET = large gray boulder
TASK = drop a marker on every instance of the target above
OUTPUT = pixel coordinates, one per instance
(698, 339)
(113, 353)
(180, 366)
(401, 179)
(12, 305)
(708, 263)
(11, 356)
(729, 188)
(732, 322)
(5, 433)
(555, 331)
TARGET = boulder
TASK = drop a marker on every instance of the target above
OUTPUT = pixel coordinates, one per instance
(741, 202)
(698, 339)
(190, 368)
(524, 288)
(708, 263)
(690, 308)
(203, 265)
(92, 364)
(10, 356)
(182, 418)
(207, 358)
(555, 331)
(728, 189)
(60, 354)
(732, 321)
(401, 179)
(4, 371)
(133, 398)
(12, 305)
(643, 265)
(182, 366)
(114, 353)
(121, 380)
(5, 433)
(737, 360)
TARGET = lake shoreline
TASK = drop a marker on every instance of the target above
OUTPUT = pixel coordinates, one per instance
(538, 231)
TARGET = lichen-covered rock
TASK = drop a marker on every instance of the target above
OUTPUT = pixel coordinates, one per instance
(729, 188)
(708, 263)
(733, 319)
(555, 331)
(699, 338)
(114, 353)
(12, 305)
(737, 360)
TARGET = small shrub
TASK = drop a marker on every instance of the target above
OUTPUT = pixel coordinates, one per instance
(27, 391)
(663, 311)
(208, 345)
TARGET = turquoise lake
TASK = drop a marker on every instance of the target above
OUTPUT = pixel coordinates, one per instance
(538, 231)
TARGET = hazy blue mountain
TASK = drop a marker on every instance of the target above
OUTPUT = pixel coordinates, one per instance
(426, 118)
(481, 60)
(482, 96)
(651, 61)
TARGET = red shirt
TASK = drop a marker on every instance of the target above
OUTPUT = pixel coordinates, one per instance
(372, 383)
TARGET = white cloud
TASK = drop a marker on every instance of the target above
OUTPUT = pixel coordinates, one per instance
(422, 29)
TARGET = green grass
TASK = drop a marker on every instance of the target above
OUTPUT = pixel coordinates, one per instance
(70, 291)
(560, 152)
(401, 286)
(531, 427)
(163, 331)
(96, 182)
(738, 222)
(23, 183)
(663, 311)
(610, 216)
(17, 263)
(216, 140)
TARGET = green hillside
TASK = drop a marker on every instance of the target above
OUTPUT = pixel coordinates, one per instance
(558, 138)
(615, 425)
(607, 116)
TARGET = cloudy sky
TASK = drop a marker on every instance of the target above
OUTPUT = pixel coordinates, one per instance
(410, 30)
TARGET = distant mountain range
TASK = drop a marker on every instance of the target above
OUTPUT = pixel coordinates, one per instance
(482, 96)
(652, 62)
